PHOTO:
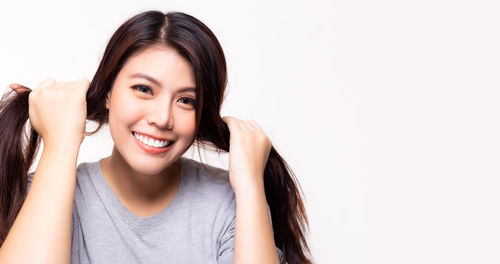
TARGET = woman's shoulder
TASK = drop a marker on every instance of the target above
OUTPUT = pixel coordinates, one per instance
(204, 171)
(83, 167)
(88, 169)
(205, 177)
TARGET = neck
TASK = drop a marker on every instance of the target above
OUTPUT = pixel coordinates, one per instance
(131, 184)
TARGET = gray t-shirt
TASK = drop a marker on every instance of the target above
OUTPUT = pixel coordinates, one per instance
(196, 227)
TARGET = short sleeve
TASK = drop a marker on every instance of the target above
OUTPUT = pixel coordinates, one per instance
(226, 242)
(30, 180)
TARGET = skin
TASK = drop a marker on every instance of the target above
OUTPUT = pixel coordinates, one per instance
(141, 180)
(146, 183)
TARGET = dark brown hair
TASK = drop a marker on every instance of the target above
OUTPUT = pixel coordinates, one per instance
(195, 42)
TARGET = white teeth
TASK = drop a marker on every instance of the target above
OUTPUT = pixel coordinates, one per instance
(151, 142)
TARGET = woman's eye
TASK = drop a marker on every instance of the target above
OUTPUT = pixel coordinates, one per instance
(147, 89)
(142, 88)
(187, 100)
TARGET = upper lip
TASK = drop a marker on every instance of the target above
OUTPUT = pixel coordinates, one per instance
(153, 137)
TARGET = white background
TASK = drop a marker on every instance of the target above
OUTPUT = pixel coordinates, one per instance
(388, 111)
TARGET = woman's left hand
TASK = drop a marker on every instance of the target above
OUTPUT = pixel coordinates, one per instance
(249, 149)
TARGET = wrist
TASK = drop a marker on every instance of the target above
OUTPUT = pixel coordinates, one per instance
(250, 190)
(62, 146)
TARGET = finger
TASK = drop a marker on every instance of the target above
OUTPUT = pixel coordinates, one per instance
(231, 122)
(60, 84)
(241, 124)
(254, 125)
(245, 126)
(85, 84)
(45, 83)
(228, 120)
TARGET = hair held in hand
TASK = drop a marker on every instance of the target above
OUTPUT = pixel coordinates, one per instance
(197, 44)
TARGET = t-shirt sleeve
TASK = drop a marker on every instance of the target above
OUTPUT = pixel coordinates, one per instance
(30, 180)
(226, 242)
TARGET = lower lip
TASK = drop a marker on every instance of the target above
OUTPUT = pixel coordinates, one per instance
(150, 149)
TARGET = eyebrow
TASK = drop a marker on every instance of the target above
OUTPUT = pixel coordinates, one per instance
(151, 79)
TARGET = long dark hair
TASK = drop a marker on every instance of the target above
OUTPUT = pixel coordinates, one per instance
(194, 41)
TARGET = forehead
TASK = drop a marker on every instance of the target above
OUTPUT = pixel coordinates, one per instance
(162, 63)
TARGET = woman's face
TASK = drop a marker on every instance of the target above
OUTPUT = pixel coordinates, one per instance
(161, 107)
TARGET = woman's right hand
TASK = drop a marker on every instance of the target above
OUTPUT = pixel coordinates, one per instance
(58, 111)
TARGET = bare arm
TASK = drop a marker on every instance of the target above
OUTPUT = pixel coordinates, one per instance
(41, 232)
(249, 149)
(253, 239)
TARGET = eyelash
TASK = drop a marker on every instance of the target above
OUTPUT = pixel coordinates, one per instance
(191, 101)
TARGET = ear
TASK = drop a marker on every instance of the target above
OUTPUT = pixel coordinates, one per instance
(108, 96)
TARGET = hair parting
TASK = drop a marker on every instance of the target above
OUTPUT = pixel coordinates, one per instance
(198, 45)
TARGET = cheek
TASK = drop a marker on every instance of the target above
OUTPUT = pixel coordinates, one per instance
(124, 112)
(186, 123)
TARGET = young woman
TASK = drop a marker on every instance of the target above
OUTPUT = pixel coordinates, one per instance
(159, 86)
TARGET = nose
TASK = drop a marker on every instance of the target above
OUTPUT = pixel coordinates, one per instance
(160, 114)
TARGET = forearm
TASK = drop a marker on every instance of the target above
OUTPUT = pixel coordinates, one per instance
(41, 232)
(254, 241)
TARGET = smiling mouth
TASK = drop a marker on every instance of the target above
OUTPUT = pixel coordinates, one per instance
(150, 142)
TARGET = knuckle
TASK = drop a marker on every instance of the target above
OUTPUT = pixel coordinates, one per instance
(85, 81)
(44, 90)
